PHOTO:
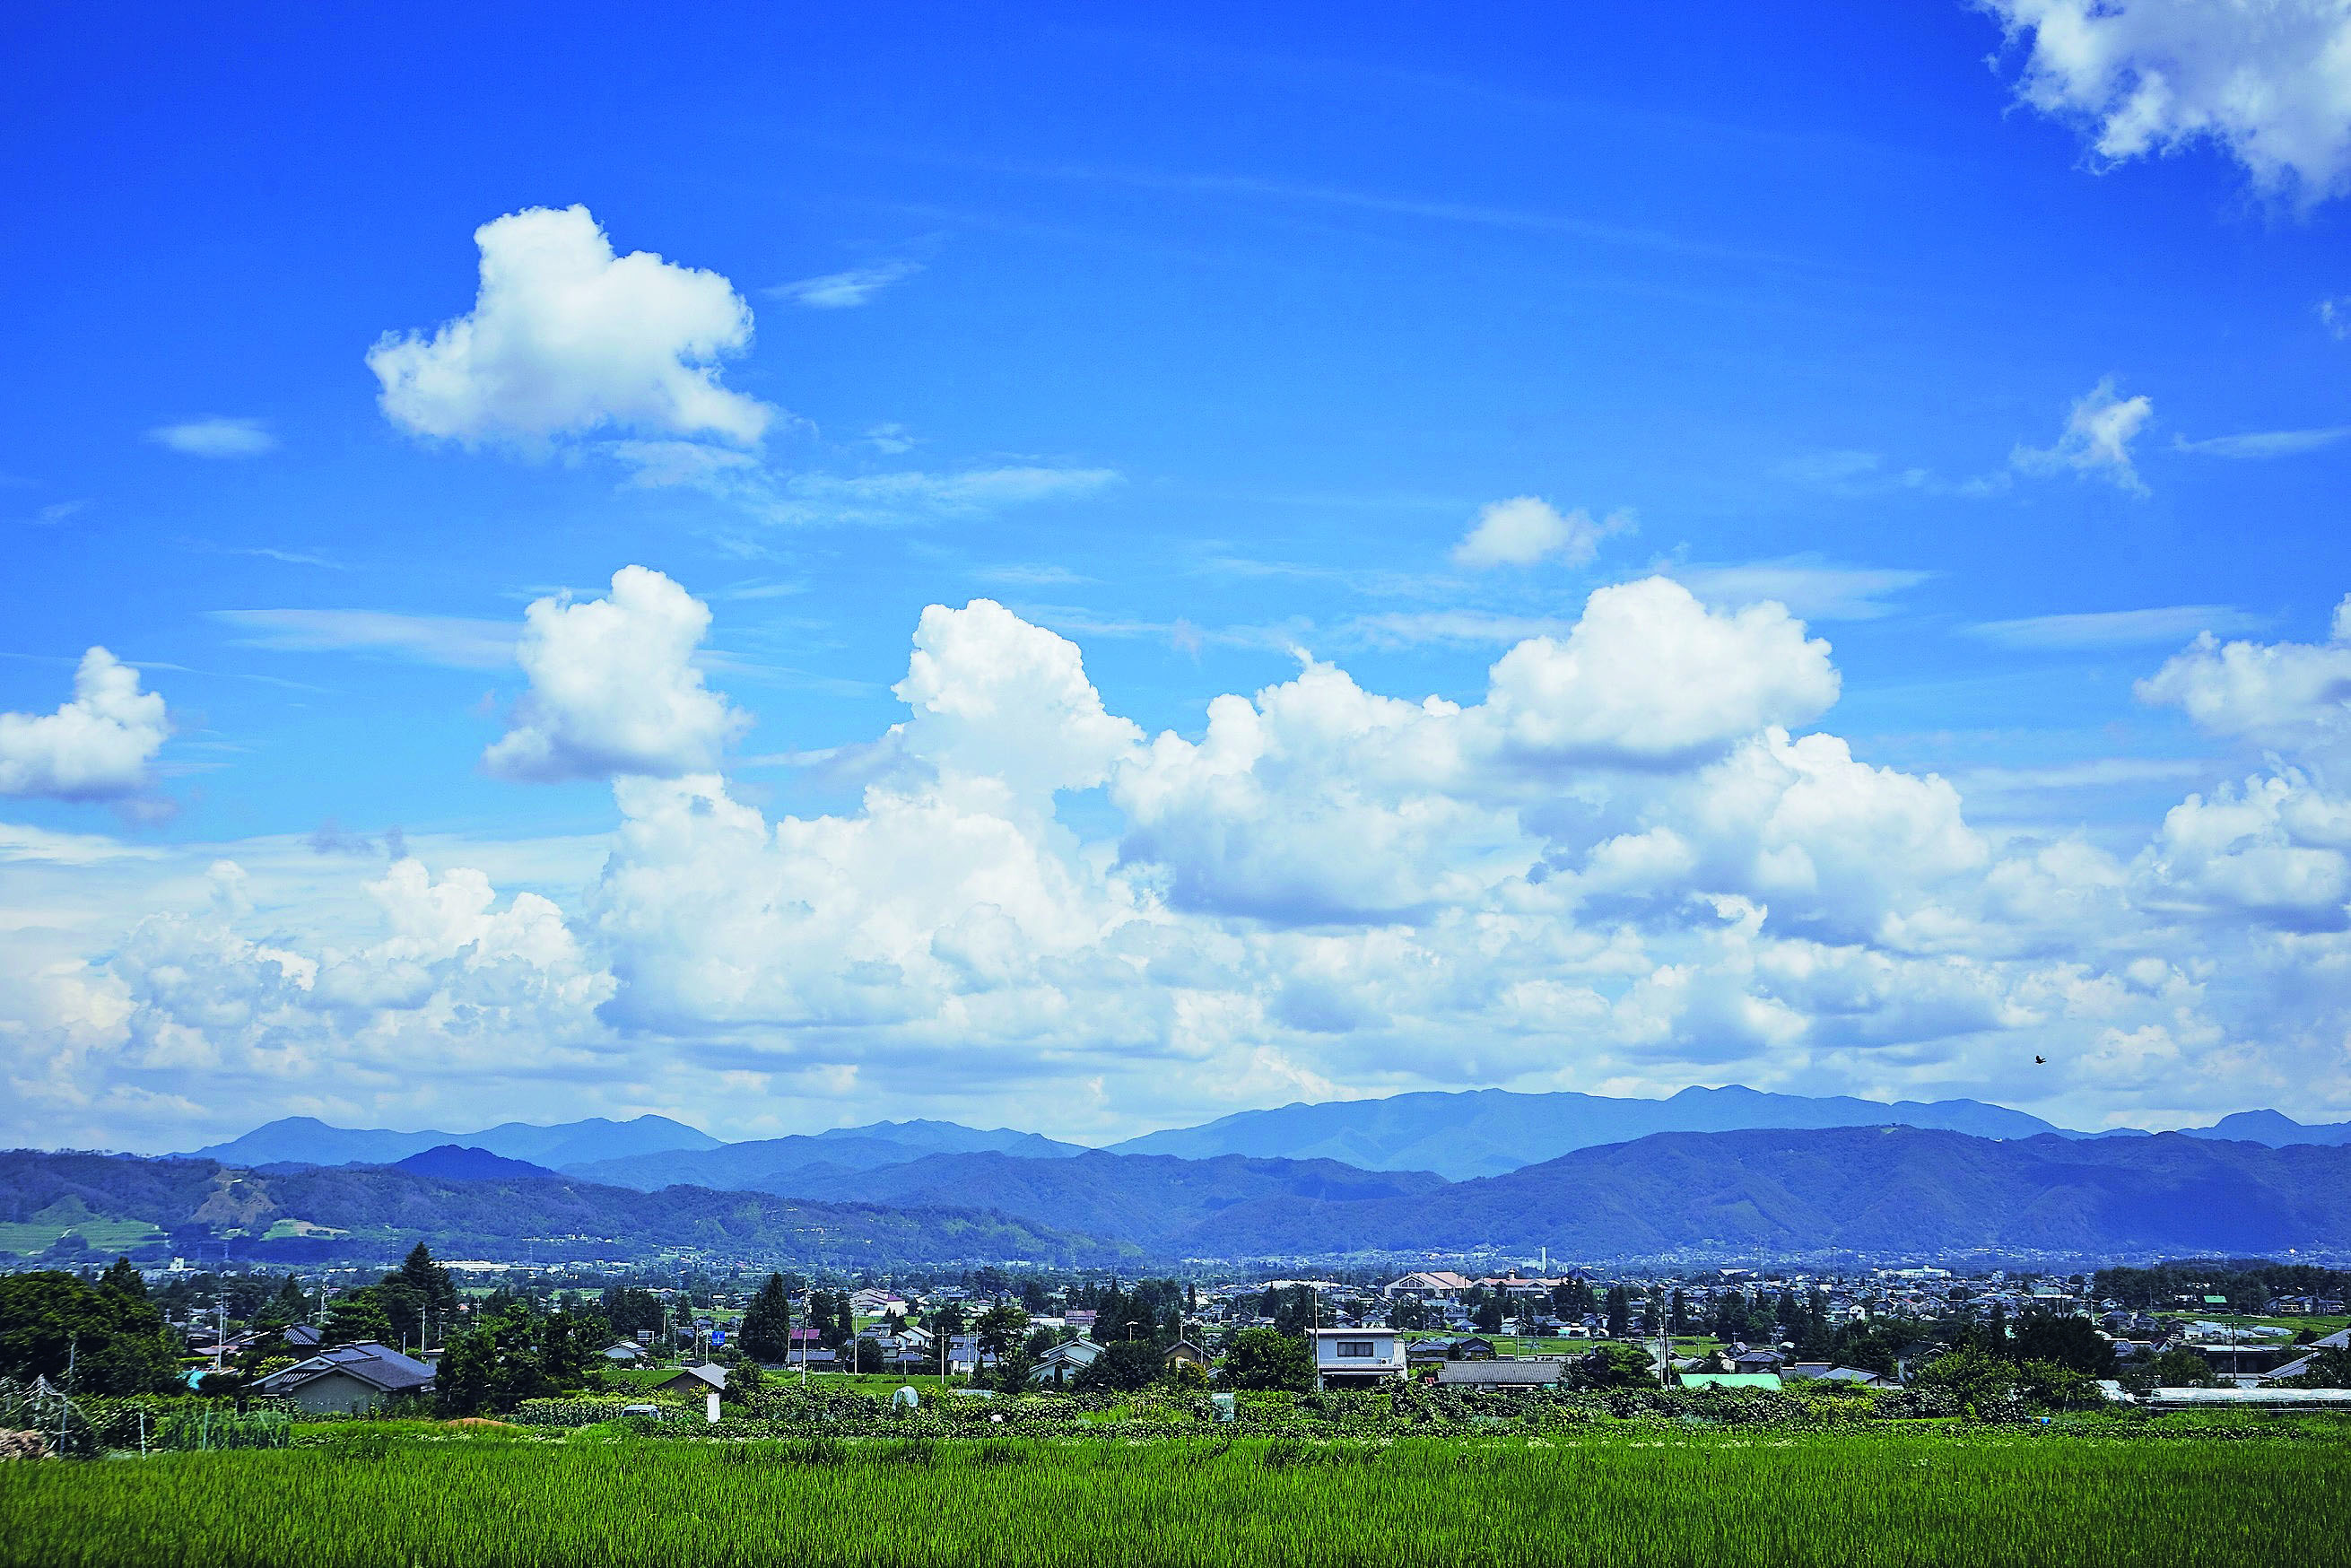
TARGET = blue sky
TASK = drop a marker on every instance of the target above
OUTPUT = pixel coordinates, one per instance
(1199, 346)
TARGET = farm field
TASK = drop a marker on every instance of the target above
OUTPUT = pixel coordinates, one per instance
(1960, 1497)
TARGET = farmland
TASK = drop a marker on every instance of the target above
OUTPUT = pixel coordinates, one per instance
(433, 1495)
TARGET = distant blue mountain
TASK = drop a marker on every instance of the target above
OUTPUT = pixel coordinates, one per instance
(2274, 1128)
(1488, 1132)
(308, 1141)
(453, 1162)
(761, 1163)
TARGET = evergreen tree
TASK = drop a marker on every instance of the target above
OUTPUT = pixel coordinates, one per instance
(1620, 1311)
(1677, 1318)
(768, 1323)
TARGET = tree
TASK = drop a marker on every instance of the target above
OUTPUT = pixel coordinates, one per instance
(288, 1306)
(1677, 1318)
(1123, 1368)
(1975, 1378)
(2178, 1368)
(356, 1316)
(1620, 1311)
(1001, 1328)
(2329, 1368)
(1616, 1367)
(1268, 1358)
(116, 1342)
(768, 1323)
(630, 1308)
(1488, 1316)
(2069, 1341)
(744, 1377)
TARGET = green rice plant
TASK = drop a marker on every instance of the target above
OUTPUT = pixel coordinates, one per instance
(1629, 1495)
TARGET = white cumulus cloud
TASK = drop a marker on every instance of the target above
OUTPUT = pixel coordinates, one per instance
(2267, 81)
(2289, 696)
(2096, 439)
(613, 689)
(566, 336)
(1525, 529)
(94, 747)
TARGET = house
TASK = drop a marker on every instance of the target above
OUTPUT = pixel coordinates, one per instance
(1186, 1351)
(302, 1336)
(872, 1304)
(1501, 1373)
(622, 1354)
(1745, 1358)
(695, 1380)
(1427, 1284)
(1352, 1356)
(348, 1379)
(1062, 1364)
(1829, 1372)
(1730, 1380)
(1469, 1347)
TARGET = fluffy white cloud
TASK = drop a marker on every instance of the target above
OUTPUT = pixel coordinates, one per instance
(2290, 697)
(2269, 81)
(565, 337)
(998, 700)
(217, 437)
(613, 688)
(95, 747)
(2273, 850)
(1037, 915)
(2096, 439)
(1525, 529)
(1649, 676)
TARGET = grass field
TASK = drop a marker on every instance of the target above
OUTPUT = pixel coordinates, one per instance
(1983, 1498)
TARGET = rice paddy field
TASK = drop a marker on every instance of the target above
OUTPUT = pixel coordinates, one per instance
(482, 1495)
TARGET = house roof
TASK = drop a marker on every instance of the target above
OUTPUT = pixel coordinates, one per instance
(1081, 1351)
(1524, 1373)
(1825, 1372)
(709, 1374)
(1730, 1380)
(377, 1365)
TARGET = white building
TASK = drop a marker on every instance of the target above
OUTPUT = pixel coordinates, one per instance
(1357, 1355)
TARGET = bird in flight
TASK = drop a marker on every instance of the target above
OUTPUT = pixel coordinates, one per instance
(2041, 1061)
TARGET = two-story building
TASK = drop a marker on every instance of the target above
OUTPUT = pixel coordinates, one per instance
(1347, 1357)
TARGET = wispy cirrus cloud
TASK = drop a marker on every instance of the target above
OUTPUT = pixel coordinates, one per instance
(217, 436)
(2117, 628)
(456, 642)
(2259, 444)
(1810, 588)
(845, 290)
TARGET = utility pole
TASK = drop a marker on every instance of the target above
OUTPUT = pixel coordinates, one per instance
(65, 1394)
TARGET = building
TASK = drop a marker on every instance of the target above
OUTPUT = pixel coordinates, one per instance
(1502, 1374)
(348, 1379)
(1349, 1357)
(1827, 1372)
(1184, 1350)
(1730, 1380)
(1427, 1284)
(1061, 1365)
(695, 1381)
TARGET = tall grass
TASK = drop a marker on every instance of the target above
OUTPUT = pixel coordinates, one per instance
(1711, 1498)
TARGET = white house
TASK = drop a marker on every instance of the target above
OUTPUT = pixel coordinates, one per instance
(1357, 1355)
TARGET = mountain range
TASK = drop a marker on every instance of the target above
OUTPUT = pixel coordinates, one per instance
(1873, 1190)
(1870, 1191)
(308, 1141)
(1488, 1132)
(1460, 1135)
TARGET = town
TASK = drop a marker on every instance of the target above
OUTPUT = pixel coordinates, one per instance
(487, 1338)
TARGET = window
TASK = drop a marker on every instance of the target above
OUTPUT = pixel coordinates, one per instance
(1355, 1347)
